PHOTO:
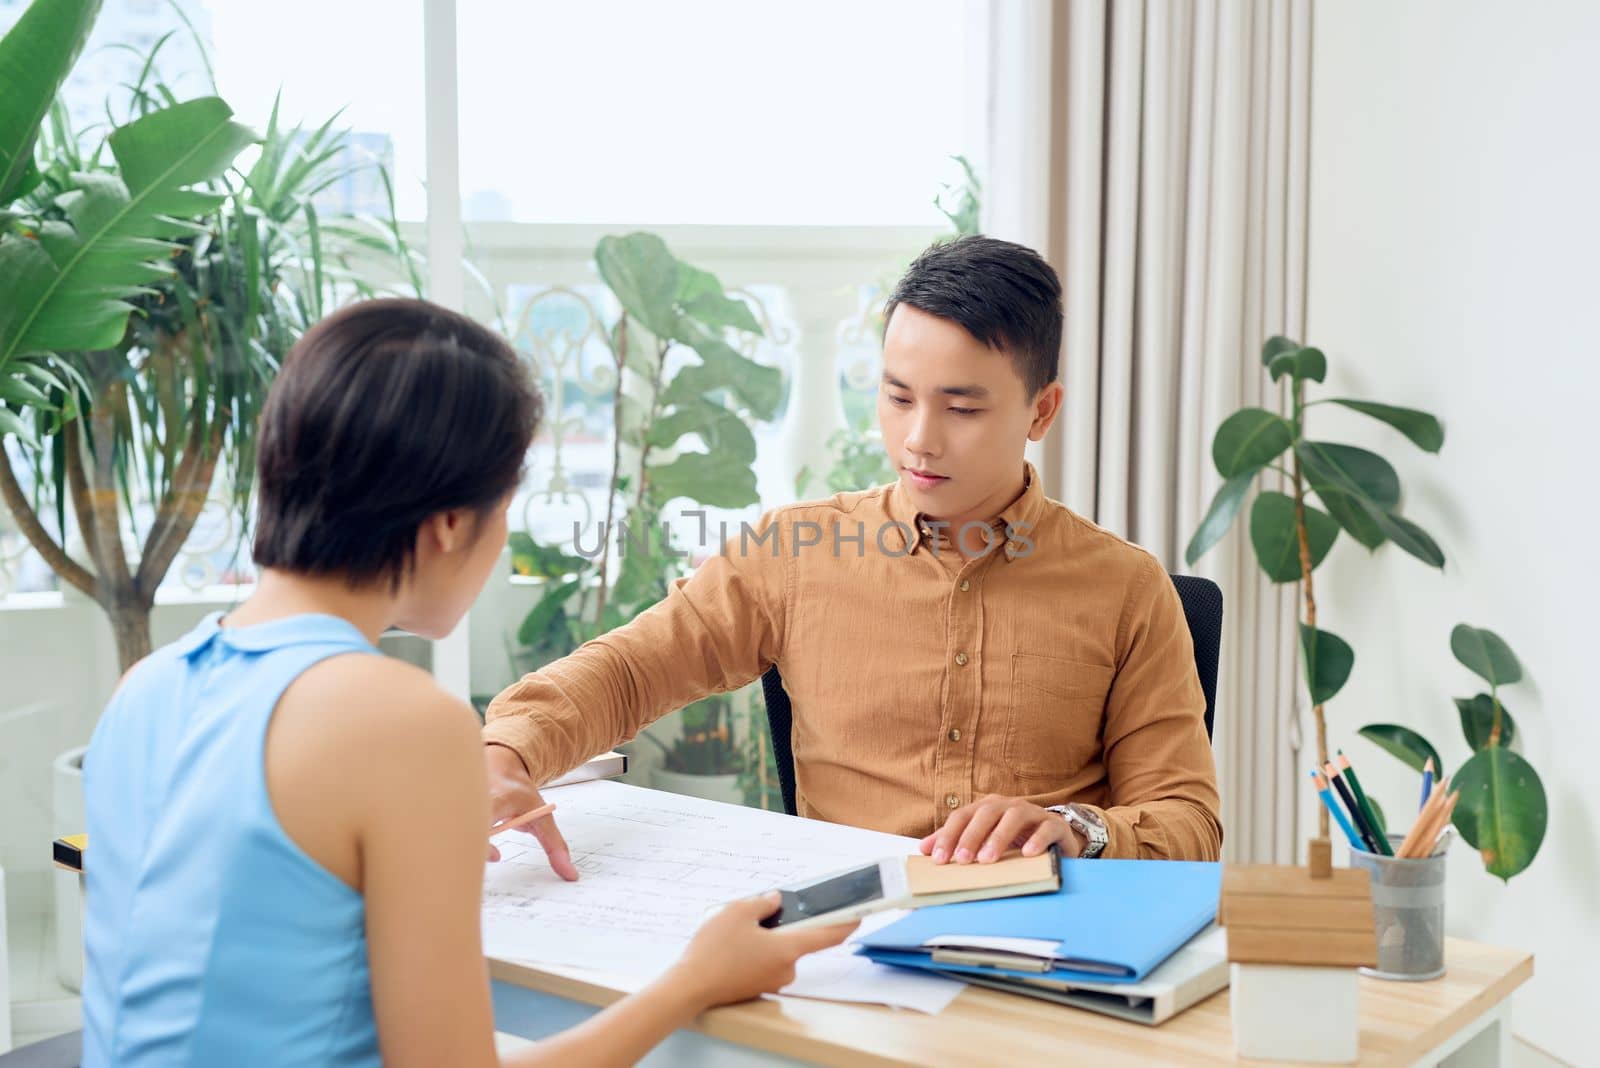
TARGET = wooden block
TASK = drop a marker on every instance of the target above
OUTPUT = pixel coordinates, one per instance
(1283, 912)
(1319, 858)
(1254, 945)
(1282, 879)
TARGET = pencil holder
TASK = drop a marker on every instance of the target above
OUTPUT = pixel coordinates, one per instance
(1408, 906)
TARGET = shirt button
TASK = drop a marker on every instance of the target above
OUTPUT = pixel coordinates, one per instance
(964, 585)
(961, 660)
(955, 734)
(953, 801)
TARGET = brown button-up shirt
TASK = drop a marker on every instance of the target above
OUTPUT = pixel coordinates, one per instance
(1057, 667)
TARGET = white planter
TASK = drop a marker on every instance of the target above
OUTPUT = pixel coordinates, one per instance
(710, 787)
(5, 972)
(66, 774)
(1289, 1012)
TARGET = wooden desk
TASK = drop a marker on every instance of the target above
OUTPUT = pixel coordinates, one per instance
(1461, 1019)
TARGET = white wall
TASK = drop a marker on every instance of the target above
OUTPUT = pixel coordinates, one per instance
(1455, 228)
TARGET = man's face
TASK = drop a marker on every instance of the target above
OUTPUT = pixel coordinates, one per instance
(955, 417)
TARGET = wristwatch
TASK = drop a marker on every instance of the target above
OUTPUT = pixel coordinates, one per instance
(1090, 827)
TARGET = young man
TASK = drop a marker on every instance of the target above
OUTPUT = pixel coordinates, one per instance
(967, 660)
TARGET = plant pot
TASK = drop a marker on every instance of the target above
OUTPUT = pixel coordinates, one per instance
(710, 787)
(67, 788)
(5, 973)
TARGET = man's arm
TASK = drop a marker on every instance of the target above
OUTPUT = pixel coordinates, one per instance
(1158, 759)
(714, 632)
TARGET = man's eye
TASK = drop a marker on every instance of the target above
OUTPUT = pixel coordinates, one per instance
(899, 402)
(966, 411)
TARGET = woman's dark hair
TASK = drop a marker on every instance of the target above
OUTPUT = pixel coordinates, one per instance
(383, 414)
(1003, 294)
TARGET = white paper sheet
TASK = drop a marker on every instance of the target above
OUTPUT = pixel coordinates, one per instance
(653, 865)
(839, 974)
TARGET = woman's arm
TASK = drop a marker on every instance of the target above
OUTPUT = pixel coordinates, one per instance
(421, 846)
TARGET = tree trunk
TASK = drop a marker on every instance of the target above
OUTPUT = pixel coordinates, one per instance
(130, 626)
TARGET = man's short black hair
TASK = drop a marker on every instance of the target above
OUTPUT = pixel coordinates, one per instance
(1002, 293)
(383, 414)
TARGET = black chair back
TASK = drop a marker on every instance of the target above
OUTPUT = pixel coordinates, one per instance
(1202, 610)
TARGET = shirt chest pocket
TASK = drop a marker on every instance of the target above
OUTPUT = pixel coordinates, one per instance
(1056, 709)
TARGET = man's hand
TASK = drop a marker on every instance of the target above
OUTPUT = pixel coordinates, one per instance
(511, 793)
(987, 828)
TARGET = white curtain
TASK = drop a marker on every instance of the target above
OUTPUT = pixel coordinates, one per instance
(1156, 152)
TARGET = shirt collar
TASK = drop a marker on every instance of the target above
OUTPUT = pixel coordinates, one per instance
(1018, 518)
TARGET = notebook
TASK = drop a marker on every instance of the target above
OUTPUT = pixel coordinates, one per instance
(1186, 978)
(1112, 921)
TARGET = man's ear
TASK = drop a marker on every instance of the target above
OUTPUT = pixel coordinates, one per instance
(1046, 406)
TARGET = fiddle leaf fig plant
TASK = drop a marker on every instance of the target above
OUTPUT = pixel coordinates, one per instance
(1503, 810)
(684, 405)
(1358, 492)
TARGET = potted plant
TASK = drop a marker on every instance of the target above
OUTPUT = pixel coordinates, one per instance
(1359, 492)
(1502, 810)
(152, 291)
(682, 410)
(703, 761)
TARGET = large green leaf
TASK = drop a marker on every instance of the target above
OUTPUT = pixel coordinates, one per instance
(643, 274)
(68, 291)
(35, 57)
(1485, 654)
(1357, 472)
(1328, 660)
(1224, 507)
(1277, 542)
(1350, 514)
(1300, 364)
(1248, 440)
(719, 429)
(1276, 346)
(757, 386)
(1502, 812)
(1408, 536)
(716, 479)
(1424, 430)
(1477, 720)
(1411, 748)
(701, 297)
(551, 607)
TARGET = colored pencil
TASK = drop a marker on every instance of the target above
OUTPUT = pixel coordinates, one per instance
(1366, 806)
(1326, 793)
(527, 817)
(1427, 783)
(1368, 832)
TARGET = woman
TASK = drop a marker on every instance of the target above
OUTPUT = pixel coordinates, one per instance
(288, 827)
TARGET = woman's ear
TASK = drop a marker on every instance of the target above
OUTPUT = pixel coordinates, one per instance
(446, 532)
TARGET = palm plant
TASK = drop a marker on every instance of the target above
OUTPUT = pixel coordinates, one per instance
(154, 290)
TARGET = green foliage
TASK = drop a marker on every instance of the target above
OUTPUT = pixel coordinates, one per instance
(691, 425)
(860, 464)
(1503, 810)
(707, 745)
(1358, 490)
(152, 290)
(966, 200)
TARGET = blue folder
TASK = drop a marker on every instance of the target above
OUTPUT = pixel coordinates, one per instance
(1112, 921)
